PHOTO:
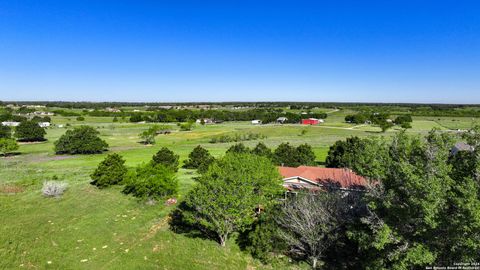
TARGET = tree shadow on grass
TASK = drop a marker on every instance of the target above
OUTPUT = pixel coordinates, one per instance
(183, 222)
(12, 154)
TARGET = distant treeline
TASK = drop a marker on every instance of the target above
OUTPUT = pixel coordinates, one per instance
(184, 115)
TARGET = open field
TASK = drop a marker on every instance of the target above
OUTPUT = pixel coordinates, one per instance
(89, 228)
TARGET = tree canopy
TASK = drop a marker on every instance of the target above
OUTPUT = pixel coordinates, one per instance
(80, 140)
(29, 131)
(226, 196)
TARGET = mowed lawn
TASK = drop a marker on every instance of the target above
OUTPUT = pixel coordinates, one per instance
(88, 228)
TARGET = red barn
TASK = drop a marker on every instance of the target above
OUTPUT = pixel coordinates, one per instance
(310, 121)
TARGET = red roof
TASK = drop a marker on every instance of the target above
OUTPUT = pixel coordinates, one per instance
(344, 178)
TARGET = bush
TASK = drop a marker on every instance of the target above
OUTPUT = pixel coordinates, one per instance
(237, 138)
(7, 146)
(150, 181)
(80, 140)
(262, 150)
(186, 126)
(167, 158)
(287, 155)
(80, 118)
(110, 171)
(53, 188)
(29, 131)
(199, 158)
(5, 132)
(238, 148)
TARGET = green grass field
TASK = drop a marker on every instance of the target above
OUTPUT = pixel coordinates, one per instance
(89, 228)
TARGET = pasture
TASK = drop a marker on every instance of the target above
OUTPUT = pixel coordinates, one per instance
(88, 228)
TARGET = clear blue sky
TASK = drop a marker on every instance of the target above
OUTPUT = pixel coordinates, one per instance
(366, 51)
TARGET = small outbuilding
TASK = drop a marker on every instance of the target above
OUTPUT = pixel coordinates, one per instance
(10, 124)
(44, 124)
(256, 122)
(281, 120)
(311, 121)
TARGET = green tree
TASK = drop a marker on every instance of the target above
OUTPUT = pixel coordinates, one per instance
(29, 131)
(80, 118)
(199, 158)
(148, 136)
(80, 140)
(407, 210)
(238, 148)
(7, 146)
(5, 132)
(151, 181)
(167, 158)
(305, 155)
(226, 196)
(286, 155)
(385, 125)
(110, 171)
(262, 150)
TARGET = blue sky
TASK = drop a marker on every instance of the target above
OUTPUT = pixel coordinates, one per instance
(354, 51)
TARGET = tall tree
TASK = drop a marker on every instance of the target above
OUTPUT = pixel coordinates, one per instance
(199, 158)
(29, 131)
(226, 196)
(167, 158)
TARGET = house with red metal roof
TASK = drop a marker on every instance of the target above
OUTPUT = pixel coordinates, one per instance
(316, 178)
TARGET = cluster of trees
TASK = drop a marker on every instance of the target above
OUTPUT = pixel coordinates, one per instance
(153, 180)
(424, 208)
(284, 155)
(421, 208)
(380, 119)
(185, 115)
(237, 137)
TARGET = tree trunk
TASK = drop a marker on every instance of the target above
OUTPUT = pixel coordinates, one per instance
(223, 240)
(314, 263)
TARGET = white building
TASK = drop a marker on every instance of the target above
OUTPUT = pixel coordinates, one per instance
(10, 124)
(44, 124)
(256, 122)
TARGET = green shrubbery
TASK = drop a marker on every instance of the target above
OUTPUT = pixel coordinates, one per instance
(151, 181)
(110, 171)
(167, 158)
(7, 146)
(237, 137)
(29, 131)
(80, 140)
(199, 159)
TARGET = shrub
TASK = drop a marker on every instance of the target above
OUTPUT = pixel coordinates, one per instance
(186, 126)
(7, 146)
(5, 132)
(167, 158)
(53, 188)
(150, 181)
(199, 158)
(110, 171)
(29, 131)
(80, 140)
(80, 118)
(238, 148)
(237, 138)
(262, 150)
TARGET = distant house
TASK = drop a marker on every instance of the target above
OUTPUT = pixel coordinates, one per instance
(317, 179)
(256, 122)
(44, 124)
(205, 121)
(10, 124)
(461, 146)
(281, 120)
(43, 113)
(311, 121)
(112, 110)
